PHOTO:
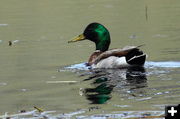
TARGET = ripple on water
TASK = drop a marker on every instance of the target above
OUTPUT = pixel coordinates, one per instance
(143, 99)
(80, 115)
(3, 84)
(81, 66)
(165, 64)
(3, 24)
(148, 65)
(122, 106)
(133, 84)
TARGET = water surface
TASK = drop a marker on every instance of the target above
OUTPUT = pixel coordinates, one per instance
(39, 54)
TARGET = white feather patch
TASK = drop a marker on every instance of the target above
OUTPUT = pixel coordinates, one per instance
(111, 62)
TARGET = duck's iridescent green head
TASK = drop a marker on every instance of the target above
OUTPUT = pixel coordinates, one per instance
(98, 34)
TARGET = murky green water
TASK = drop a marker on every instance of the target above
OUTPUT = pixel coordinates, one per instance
(39, 31)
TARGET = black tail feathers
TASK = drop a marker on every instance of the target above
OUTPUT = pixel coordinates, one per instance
(136, 57)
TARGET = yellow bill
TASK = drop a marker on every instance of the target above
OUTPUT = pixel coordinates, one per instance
(79, 38)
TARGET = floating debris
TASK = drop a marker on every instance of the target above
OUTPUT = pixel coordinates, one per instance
(146, 12)
(13, 42)
(10, 43)
(38, 109)
(22, 111)
(94, 108)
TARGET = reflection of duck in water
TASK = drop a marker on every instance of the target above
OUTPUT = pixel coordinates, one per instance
(101, 93)
(105, 81)
(114, 58)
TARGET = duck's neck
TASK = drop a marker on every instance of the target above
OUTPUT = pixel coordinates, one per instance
(103, 46)
(103, 40)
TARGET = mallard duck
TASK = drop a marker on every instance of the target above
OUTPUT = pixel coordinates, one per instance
(114, 58)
